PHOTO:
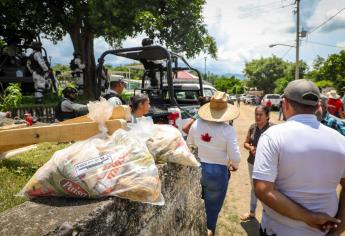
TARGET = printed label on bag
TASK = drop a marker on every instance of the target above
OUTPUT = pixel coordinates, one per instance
(73, 189)
(92, 164)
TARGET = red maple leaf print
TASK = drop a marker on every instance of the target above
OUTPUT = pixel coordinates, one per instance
(206, 137)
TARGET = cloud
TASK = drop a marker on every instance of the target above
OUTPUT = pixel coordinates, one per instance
(341, 45)
(62, 52)
(308, 8)
(336, 24)
(323, 11)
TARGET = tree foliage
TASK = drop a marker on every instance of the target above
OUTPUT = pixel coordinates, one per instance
(324, 84)
(289, 75)
(272, 74)
(229, 85)
(333, 69)
(178, 24)
(263, 72)
(329, 72)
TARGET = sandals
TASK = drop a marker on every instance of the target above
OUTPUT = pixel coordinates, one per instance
(247, 216)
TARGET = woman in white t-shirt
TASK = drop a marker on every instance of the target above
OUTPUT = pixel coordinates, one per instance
(218, 151)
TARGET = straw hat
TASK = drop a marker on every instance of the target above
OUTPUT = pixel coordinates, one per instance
(333, 94)
(218, 109)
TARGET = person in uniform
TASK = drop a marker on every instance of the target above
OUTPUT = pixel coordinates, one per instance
(77, 67)
(67, 108)
(39, 69)
(117, 85)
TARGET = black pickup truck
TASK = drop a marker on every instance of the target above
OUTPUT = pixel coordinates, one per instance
(172, 100)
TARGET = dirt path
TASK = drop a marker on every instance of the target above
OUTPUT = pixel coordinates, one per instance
(238, 195)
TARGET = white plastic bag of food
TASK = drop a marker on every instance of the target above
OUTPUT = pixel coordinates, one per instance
(166, 144)
(117, 165)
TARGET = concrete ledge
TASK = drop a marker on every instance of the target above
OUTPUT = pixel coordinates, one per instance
(182, 214)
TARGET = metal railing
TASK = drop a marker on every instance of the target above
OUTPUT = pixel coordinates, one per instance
(43, 113)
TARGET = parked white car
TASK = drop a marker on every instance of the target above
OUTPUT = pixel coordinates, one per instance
(273, 98)
(249, 99)
(242, 97)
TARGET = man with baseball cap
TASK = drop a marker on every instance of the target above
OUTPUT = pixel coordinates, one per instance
(298, 166)
(116, 87)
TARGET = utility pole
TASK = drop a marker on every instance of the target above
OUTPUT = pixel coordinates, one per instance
(297, 39)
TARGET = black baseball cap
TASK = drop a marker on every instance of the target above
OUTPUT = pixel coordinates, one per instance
(302, 91)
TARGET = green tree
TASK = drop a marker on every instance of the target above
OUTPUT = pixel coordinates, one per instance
(228, 84)
(263, 72)
(61, 68)
(324, 84)
(318, 62)
(315, 73)
(281, 84)
(333, 69)
(178, 24)
(291, 68)
(289, 75)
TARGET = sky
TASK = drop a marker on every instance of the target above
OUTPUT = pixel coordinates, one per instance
(244, 29)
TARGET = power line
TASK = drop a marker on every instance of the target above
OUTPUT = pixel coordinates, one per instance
(269, 5)
(326, 21)
(324, 44)
(287, 52)
(260, 6)
(249, 12)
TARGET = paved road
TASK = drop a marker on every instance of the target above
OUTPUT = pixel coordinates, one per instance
(237, 199)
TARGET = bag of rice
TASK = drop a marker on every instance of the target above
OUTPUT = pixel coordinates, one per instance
(166, 144)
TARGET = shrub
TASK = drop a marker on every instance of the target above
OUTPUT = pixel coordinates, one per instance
(11, 98)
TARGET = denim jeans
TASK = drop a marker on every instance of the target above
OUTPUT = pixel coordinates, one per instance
(214, 182)
(253, 199)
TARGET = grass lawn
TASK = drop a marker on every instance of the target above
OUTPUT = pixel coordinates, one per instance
(17, 170)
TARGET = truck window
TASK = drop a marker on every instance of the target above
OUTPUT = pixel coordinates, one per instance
(273, 96)
(208, 92)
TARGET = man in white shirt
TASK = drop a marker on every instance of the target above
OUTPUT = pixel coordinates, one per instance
(298, 166)
(117, 85)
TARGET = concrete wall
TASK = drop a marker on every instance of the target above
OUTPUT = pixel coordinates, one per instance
(182, 214)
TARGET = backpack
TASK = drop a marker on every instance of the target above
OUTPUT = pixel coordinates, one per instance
(33, 64)
(73, 65)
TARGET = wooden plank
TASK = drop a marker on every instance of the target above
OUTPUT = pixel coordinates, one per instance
(13, 126)
(16, 151)
(11, 147)
(54, 133)
(119, 112)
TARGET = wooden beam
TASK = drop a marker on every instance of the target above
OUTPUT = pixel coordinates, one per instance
(119, 112)
(10, 139)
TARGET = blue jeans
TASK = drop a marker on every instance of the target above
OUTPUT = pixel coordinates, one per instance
(214, 182)
(253, 200)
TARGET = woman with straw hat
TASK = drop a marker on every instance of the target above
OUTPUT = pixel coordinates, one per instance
(218, 151)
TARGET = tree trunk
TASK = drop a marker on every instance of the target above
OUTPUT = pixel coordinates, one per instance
(83, 44)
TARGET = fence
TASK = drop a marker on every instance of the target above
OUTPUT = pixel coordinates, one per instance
(43, 113)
